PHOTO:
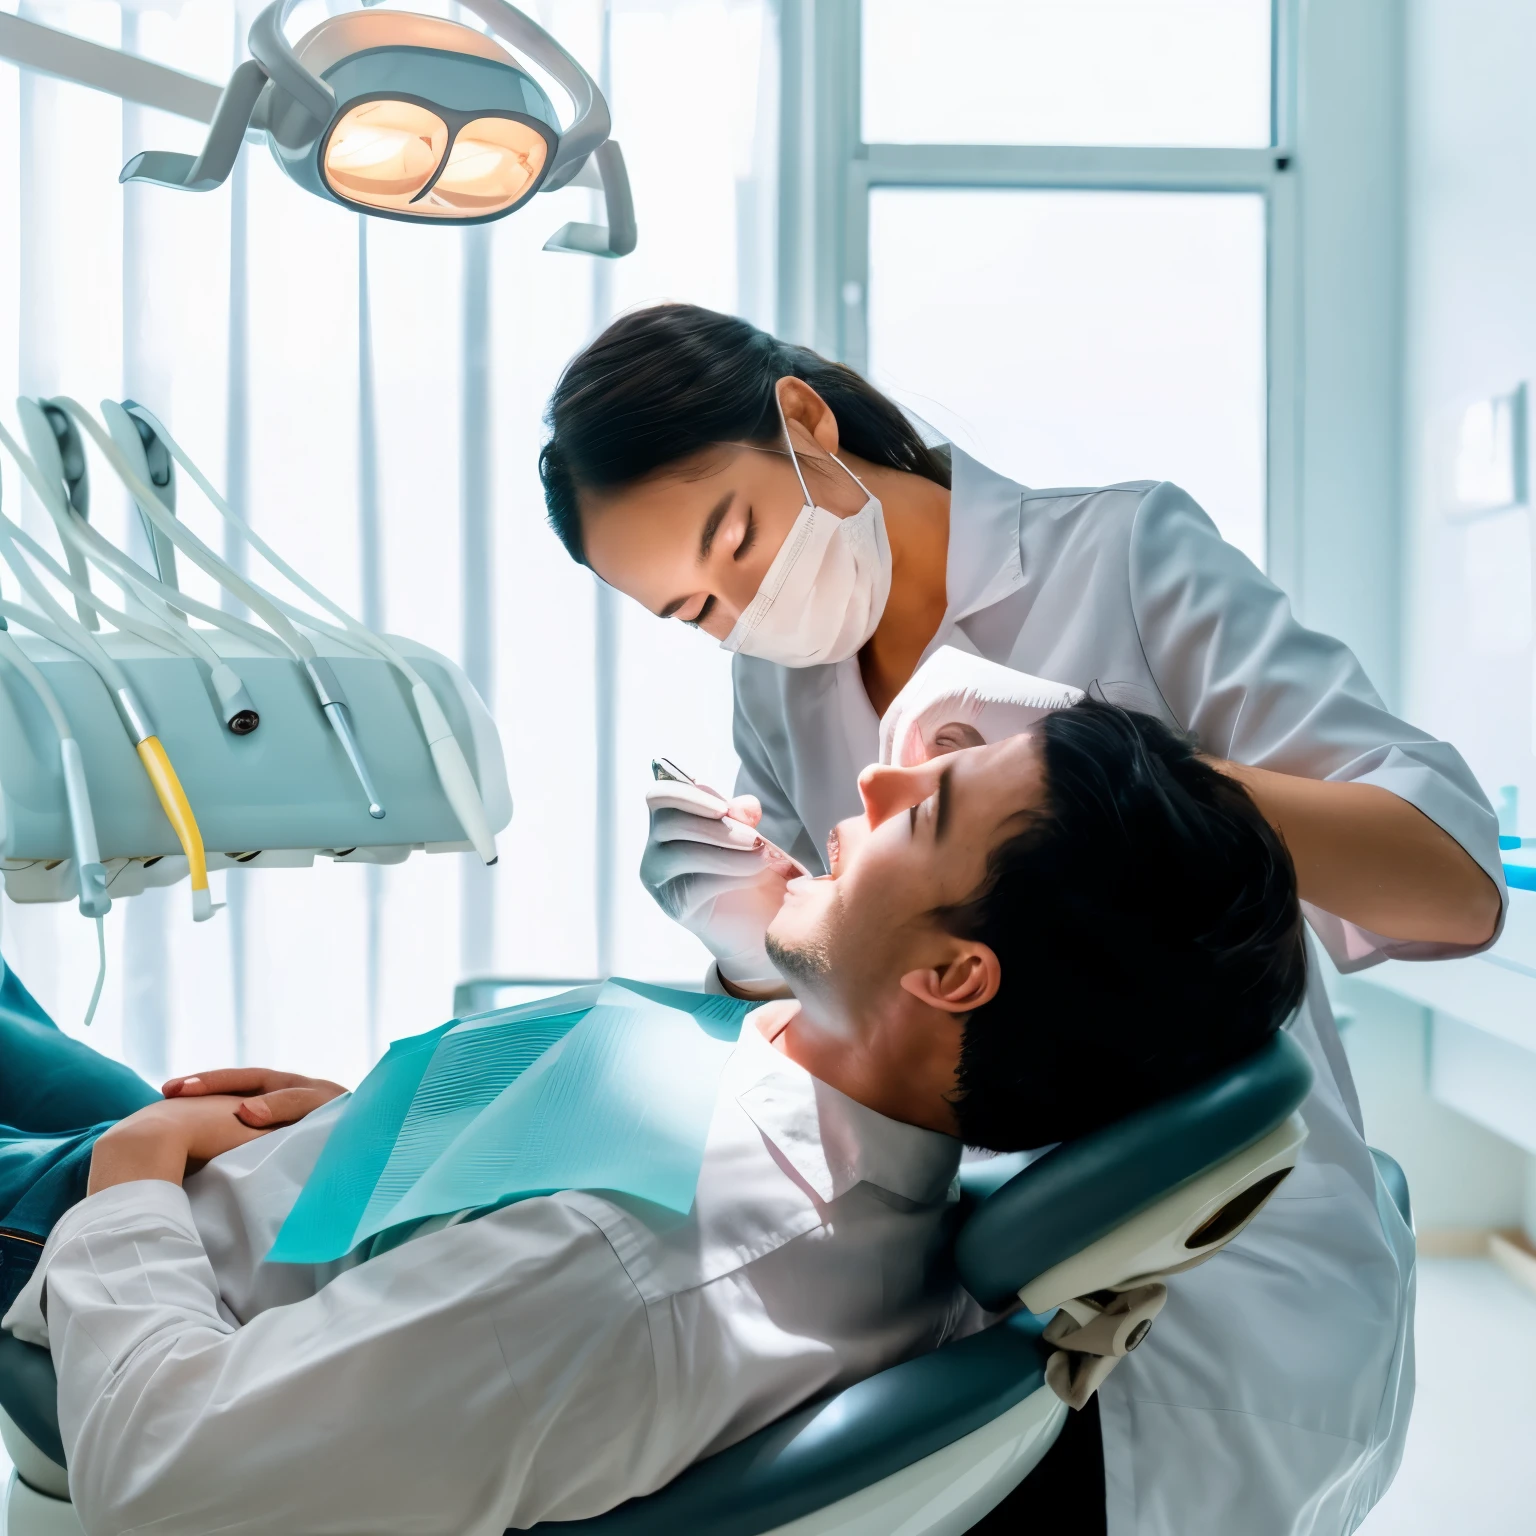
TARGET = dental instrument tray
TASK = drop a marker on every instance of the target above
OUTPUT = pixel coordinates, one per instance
(275, 797)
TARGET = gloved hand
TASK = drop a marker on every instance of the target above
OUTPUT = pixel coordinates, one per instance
(955, 699)
(716, 876)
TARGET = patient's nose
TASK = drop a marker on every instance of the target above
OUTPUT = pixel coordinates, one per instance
(887, 791)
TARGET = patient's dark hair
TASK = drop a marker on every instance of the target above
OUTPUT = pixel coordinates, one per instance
(664, 383)
(1148, 930)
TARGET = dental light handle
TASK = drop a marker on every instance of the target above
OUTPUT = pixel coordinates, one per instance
(91, 872)
(453, 772)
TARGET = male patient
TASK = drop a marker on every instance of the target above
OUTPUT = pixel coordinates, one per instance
(1015, 944)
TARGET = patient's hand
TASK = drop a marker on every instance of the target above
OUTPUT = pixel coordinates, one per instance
(199, 1119)
(269, 1098)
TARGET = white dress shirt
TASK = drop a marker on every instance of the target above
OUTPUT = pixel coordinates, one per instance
(1272, 1397)
(544, 1362)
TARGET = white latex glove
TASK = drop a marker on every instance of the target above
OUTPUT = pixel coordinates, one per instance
(716, 876)
(955, 689)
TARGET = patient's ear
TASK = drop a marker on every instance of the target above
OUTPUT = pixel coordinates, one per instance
(966, 981)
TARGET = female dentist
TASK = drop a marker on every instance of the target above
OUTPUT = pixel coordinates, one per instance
(782, 505)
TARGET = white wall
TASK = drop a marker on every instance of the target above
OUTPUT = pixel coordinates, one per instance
(1459, 1174)
(1468, 332)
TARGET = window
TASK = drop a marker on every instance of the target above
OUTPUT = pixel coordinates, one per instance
(1170, 72)
(1081, 338)
(1061, 231)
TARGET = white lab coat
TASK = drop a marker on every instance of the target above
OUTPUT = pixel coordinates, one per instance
(1272, 1397)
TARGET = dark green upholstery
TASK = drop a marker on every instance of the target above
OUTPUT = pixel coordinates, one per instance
(834, 1448)
(29, 1394)
(1082, 1190)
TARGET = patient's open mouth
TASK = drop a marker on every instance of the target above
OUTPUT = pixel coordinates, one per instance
(833, 846)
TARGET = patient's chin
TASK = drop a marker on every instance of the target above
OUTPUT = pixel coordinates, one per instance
(806, 960)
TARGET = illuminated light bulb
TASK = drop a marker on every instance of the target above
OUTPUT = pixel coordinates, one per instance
(384, 152)
(492, 164)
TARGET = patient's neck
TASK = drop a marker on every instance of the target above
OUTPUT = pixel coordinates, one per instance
(899, 1066)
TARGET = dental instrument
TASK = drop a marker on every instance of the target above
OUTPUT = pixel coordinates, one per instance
(90, 873)
(60, 456)
(53, 623)
(664, 769)
(447, 756)
(327, 690)
(83, 543)
(126, 421)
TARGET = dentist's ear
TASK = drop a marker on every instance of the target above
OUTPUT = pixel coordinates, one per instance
(966, 981)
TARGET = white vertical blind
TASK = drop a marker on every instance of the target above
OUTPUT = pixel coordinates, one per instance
(255, 351)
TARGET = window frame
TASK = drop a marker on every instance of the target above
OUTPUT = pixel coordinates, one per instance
(827, 173)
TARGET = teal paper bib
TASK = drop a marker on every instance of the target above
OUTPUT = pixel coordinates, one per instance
(609, 1087)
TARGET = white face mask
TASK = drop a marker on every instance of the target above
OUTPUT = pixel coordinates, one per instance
(826, 589)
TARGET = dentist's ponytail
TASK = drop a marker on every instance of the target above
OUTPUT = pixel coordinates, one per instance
(665, 383)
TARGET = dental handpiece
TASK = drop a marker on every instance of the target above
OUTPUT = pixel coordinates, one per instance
(665, 769)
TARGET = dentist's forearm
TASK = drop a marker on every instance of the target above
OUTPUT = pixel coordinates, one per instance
(1371, 858)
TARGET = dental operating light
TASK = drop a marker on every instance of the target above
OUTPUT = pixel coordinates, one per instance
(391, 113)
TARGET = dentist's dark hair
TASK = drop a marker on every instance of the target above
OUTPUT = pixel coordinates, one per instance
(664, 383)
(1148, 929)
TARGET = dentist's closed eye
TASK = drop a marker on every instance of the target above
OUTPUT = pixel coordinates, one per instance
(748, 538)
(704, 612)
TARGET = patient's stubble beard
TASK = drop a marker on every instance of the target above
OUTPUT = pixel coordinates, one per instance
(808, 962)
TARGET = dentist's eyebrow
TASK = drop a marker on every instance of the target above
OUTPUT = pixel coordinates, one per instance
(941, 810)
(712, 524)
(706, 543)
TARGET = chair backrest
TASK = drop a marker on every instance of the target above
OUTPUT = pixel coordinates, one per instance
(1084, 1190)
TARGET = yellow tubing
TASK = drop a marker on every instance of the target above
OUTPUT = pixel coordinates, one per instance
(173, 800)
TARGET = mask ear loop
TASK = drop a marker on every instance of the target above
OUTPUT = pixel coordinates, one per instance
(794, 458)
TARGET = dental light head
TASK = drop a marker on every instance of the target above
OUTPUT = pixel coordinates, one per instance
(410, 117)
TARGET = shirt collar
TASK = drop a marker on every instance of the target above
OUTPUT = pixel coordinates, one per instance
(831, 1141)
(983, 564)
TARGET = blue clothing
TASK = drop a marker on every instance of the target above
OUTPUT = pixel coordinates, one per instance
(56, 1097)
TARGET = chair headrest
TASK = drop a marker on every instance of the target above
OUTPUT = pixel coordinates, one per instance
(1081, 1190)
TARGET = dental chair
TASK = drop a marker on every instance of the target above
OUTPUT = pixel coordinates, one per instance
(1083, 1236)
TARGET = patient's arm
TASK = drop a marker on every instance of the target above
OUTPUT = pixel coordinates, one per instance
(489, 1375)
(199, 1119)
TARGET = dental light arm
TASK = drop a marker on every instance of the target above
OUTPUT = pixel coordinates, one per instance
(125, 75)
(226, 134)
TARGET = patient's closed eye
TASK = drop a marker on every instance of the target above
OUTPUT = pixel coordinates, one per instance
(954, 736)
